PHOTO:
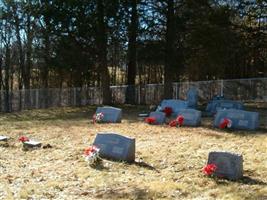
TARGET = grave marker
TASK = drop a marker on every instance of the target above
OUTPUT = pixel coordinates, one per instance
(175, 104)
(240, 119)
(192, 97)
(111, 114)
(115, 146)
(229, 165)
(31, 144)
(160, 117)
(4, 138)
(215, 105)
(192, 117)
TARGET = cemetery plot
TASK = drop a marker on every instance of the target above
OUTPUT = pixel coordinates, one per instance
(191, 117)
(110, 114)
(228, 165)
(240, 119)
(114, 146)
(168, 161)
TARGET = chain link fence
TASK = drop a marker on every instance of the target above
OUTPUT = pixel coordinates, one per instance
(246, 90)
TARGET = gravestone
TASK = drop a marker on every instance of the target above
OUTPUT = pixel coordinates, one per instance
(192, 98)
(116, 147)
(111, 114)
(240, 119)
(31, 144)
(229, 165)
(192, 117)
(3, 138)
(215, 105)
(218, 97)
(160, 117)
(143, 115)
(175, 104)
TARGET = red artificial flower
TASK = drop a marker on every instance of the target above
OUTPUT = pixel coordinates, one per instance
(226, 123)
(173, 123)
(167, 111)
(209, 169)
(150, 120)
(90, 150)
(180, 120)
(23, 139)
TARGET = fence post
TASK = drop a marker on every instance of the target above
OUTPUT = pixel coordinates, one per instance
(37, 98)
(222, 92)
(74, 94)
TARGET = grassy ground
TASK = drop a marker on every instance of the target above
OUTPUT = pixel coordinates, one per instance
(168, 160)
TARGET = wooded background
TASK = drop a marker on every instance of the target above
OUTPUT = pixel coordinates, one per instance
(98, 43)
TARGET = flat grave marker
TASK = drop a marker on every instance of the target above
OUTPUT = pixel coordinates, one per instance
(31, 144)
(192, 117)
(229, 165)
(241, 119)
(111, 114)
(115, 146)
(3, 138)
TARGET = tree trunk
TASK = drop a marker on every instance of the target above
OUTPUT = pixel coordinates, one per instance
(131, 74)
(101, 40)
(169, 51)
(7, 75)
(28, 66)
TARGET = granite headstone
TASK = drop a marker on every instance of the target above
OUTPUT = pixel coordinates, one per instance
(240, 119)
(229, 165)
(160, 117)
(192, 98)
(215, 105)
(192, 117)
(111, 114)
(175, 104)
(115, 146)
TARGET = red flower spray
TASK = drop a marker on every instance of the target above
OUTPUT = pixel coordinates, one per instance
(209, 169)
(167, 111)
(173, 123)
(150, 120)
(225, 123)
(177, 122)
(23, 139)
(180, 120)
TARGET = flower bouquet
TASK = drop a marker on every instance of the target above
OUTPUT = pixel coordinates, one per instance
(209, 169)
(177, 122)
(98, 117)
(151, 120)
(167, 111)
(225, 123)
(23, 139)
(91, 155)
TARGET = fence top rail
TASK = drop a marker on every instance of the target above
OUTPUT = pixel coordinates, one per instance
(147, 85)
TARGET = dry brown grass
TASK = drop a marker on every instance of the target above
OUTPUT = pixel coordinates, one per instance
(169, 160)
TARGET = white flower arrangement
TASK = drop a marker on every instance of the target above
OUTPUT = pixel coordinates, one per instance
(91, 155)
(98, 117)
